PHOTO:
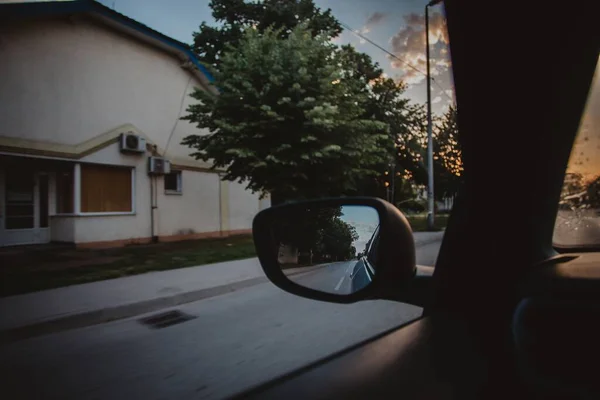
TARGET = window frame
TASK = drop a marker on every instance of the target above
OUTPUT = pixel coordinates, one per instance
(179, 191)
(77, 194)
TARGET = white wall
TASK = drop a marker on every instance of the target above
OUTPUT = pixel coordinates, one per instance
(243, 206)
(62, 229)
(196, 210)
(70, 80)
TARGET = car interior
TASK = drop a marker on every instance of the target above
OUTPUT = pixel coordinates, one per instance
(507, 314)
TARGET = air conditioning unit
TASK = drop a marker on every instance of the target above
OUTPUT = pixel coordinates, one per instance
(132, 143)
(158, 166)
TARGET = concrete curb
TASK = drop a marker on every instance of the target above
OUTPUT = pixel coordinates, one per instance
(95, 317)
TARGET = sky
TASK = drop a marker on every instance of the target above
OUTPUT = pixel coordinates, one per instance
(585, 156)
(396, 25)
(365, 219)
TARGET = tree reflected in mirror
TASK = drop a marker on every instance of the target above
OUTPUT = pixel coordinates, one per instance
(331, 249)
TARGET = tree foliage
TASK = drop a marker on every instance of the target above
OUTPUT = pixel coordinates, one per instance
(409, 169)
(447, 156)
(288, 119)
(300, 117)
(317, 232)
(235, 16)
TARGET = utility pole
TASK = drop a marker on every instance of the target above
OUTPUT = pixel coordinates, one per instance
(393, 168)
(430, 194)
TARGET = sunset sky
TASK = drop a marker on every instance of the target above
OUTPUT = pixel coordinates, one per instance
(585, 156)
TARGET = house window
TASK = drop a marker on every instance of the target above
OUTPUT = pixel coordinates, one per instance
(106, 189)
(64, 191)
(173, 182)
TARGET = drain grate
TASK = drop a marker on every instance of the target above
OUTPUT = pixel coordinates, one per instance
(162, 320)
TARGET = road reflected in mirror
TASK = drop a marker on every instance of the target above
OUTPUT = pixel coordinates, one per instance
(330, 249)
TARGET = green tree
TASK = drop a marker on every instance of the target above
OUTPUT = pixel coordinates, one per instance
(235, 16)
(386, 102)
(318, 232)
(379, 99)
(287, 119)
(447, 156)
(337, 239)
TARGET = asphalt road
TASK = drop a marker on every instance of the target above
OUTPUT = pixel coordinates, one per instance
(235, 341)
(337, 277)
(427, 254)
(577, 228)
(331, 278)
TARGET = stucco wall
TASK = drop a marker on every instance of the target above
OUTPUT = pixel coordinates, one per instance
(243, 206)
(196, 210)
(110, 228)
(62, 229)
(79, 79)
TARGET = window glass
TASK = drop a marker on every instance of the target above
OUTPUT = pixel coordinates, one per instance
(43, 196)
(578, 219)
(173, 182)
(64, 191)
(19, 200)
(105, 189)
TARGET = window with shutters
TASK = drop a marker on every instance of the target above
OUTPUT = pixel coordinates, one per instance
(106, 189)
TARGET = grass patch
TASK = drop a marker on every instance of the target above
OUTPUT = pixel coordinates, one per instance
(56, 267)
(418, 223)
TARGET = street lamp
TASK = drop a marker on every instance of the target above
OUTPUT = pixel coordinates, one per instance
(430, 198)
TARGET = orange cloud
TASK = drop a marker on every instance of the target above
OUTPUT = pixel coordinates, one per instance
(409, 45)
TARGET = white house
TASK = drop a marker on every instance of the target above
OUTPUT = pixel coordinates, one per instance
(82, 87)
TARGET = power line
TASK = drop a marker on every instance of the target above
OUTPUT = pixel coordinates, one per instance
(443, 90)
(356, 33)
(381, 48)
(178, 115)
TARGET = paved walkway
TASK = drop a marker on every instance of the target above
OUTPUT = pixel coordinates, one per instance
(92, 303)
(33, 308)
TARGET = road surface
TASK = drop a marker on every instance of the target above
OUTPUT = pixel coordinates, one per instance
(337, 277)
(577, 228)
(235, 341)
(332, 278)
(427, 254)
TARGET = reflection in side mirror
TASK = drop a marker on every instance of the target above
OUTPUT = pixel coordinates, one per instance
(330, 249)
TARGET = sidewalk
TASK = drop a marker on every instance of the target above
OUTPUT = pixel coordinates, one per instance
(93, 303)
(423, 238)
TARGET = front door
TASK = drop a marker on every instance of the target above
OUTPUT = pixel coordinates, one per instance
(24, 218)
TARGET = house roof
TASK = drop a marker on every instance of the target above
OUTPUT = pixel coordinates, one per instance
(111, 18)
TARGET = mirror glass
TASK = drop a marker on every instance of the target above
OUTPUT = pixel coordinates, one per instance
(330, 249)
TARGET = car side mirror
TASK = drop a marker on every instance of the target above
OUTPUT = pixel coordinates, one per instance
(338, 250)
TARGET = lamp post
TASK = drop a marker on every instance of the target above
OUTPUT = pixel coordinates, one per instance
(430, 197)
(393, 175)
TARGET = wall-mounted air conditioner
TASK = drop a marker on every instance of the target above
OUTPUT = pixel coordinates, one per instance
(158, 166)
(132, 143)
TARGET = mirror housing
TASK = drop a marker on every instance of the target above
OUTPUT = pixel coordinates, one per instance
(396, 267)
